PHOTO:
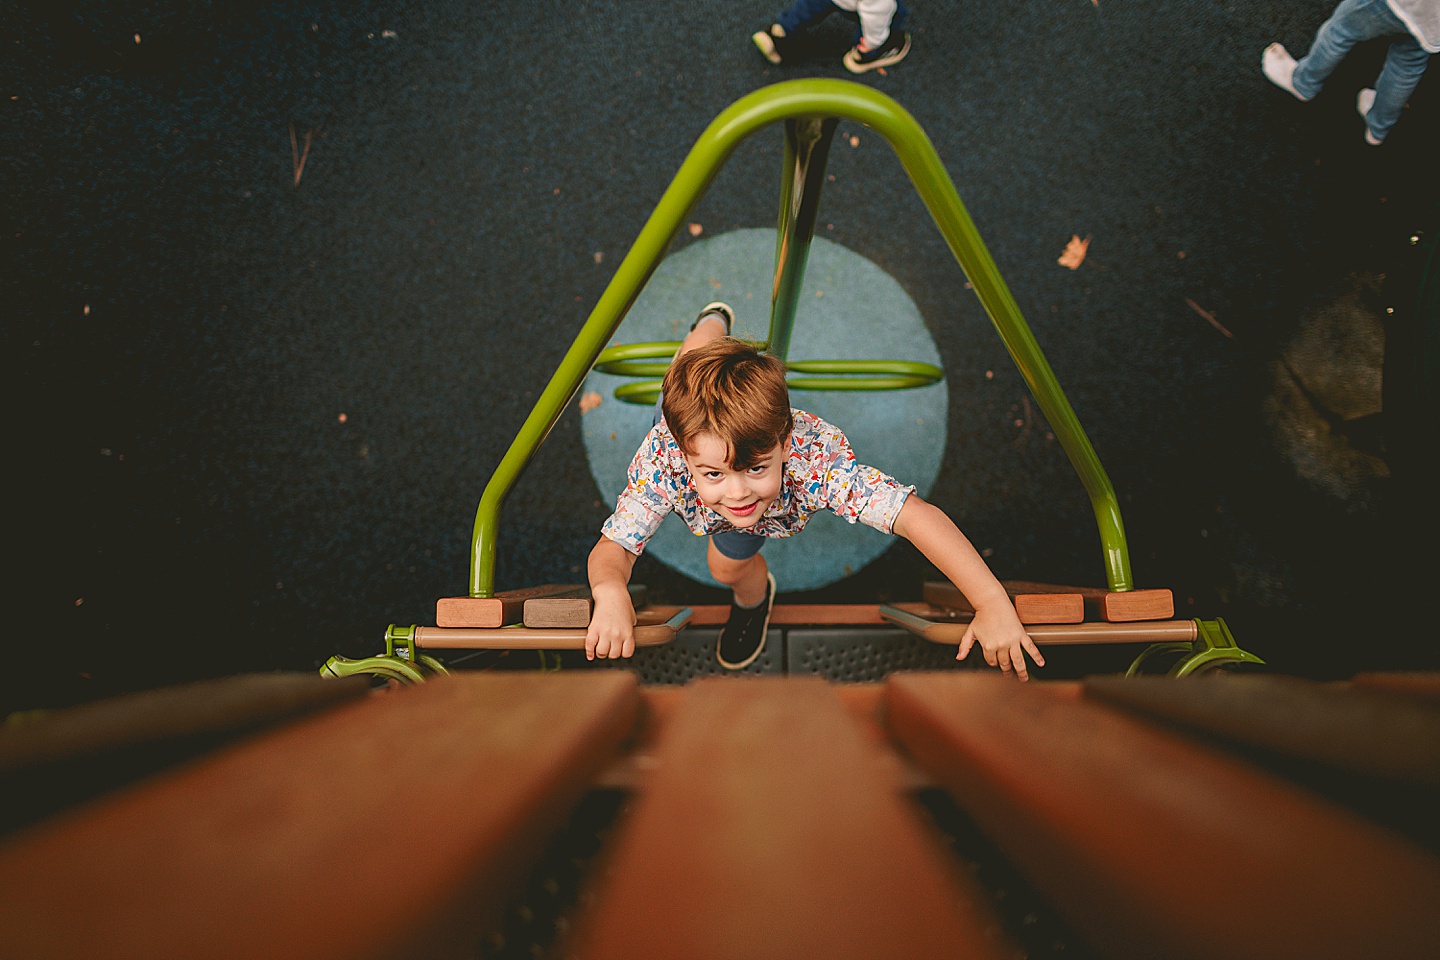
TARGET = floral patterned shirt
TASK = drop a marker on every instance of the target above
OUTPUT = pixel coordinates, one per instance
(820, 473)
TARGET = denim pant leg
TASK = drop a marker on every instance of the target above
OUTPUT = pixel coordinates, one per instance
(804, 14)
(1352, 22)
(1404, 66)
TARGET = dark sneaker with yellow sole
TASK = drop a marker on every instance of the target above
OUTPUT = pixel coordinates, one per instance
(743, 638)
(772, 42)
(893, 50)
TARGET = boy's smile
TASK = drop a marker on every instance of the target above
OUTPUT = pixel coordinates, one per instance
(740, 496)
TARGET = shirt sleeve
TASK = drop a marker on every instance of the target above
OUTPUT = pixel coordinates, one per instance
(646, 499)
(837, 482)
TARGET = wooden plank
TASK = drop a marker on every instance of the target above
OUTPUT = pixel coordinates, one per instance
(797, 614)
(1047, 603)
(654, 627)
(61, 757)
(1423, 684)
(918, 618)
(506, 607)
(1388, 738)
(769, 828)
(1152, 845)
(323, 839)
(570, 612)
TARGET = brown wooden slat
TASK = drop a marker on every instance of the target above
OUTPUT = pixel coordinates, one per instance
(1048, 602)
(770, 828)
(1365, 732)
(61, 757)
(1422, 684)
(654, 627)
(797, 614)
(395, 826)
(506, 607)
(1154, 846)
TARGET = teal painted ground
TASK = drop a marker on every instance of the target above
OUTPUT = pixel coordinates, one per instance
(849, 309)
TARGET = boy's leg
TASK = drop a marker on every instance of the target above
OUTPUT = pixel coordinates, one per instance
(804, 14)
(735, 561)
(1352, 22)
(1404, 66)
(713, 322)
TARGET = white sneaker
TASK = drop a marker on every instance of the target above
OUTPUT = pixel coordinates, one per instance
(1363, 102)
(1279, 67)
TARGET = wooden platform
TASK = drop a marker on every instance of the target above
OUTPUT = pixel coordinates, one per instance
(768, 818)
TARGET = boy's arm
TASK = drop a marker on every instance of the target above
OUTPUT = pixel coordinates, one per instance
(612, 623)
(996, 627)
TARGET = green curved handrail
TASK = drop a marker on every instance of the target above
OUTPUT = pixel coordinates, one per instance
(800, 99)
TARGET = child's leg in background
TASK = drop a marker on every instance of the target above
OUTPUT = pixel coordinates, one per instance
(1404, 66)
(735, 561)
(1353, 21)
(804, 14)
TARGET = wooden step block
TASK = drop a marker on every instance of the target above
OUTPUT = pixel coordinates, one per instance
(768, 827)
(571, 612)
(1151, 844)
(1127, 606)
(1033, 604)
(1053, 603)
(405, 806)
(506, 607)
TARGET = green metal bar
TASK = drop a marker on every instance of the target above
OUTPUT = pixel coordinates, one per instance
(783, 101)
(807, 149)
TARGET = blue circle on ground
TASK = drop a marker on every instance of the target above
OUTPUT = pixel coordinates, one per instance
(849, 309)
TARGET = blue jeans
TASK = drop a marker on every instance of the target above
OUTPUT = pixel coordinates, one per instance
(804, 14)
(1352, 22)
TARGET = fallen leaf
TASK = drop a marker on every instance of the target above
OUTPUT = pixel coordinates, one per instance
(695, 229)
(854, 141)
(599, 256)
(1074, 254)
(589, 401)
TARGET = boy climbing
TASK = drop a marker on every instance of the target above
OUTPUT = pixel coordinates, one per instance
(737, 463)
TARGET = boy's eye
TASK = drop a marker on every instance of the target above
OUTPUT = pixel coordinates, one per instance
(712, 474)
(759, 468)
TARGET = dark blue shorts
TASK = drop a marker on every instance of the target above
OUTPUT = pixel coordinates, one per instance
(734, 544)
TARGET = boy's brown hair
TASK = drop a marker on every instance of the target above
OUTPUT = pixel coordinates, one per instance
(728, 388)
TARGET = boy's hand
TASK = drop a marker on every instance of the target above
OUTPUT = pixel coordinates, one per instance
(612, 626)
(1002, 639)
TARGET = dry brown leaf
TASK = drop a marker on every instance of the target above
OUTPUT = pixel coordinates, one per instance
(589, 401)
(695, 229)
(854, 141)
(1074, 254)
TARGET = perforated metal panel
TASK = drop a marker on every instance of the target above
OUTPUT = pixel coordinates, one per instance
(692, 654)
(865, 655)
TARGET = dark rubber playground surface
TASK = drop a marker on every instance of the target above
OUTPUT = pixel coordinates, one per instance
(253, 417)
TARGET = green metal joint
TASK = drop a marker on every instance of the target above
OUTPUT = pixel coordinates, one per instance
(1213, 646)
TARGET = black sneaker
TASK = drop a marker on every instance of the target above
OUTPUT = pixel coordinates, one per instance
(772, 43)
(893, 50)
(719, 308)
(744, 635)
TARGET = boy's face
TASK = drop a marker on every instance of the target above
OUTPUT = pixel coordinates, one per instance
(740, 496)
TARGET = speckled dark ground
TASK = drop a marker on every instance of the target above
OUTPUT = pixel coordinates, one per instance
(253, 418)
